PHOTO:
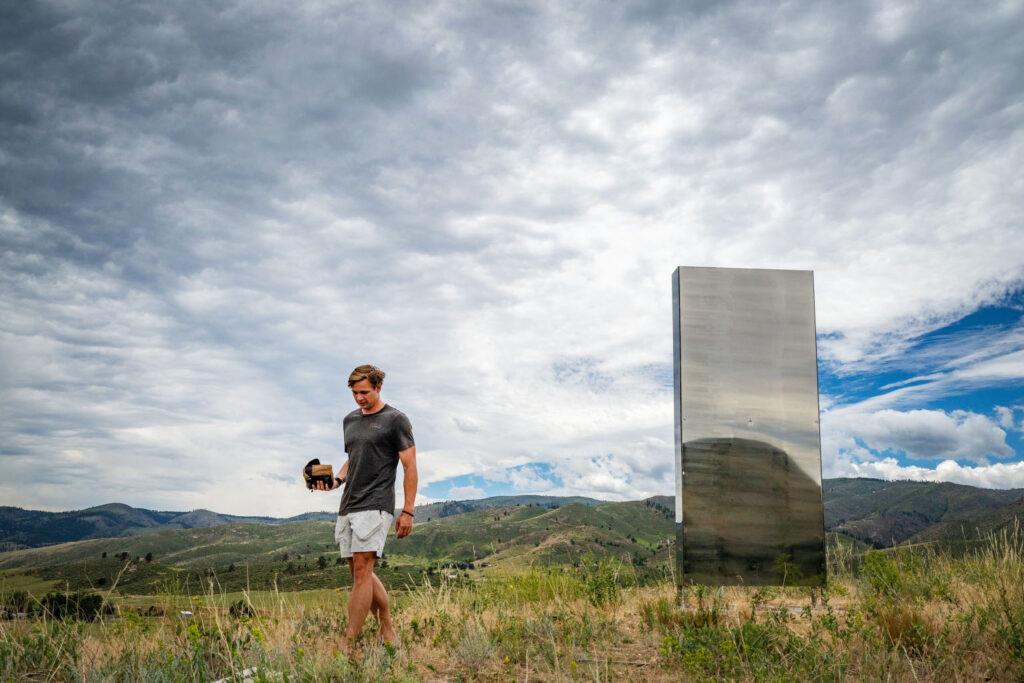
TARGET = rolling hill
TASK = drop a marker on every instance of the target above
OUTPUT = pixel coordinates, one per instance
(493, 534)
(876, 512)
(34, 528)
(289, 555)
(448, 508)
(886, 513)
(967, 527)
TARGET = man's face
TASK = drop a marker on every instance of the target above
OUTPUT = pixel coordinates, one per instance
(365, 394)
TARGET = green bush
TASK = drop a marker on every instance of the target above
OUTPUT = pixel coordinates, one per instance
(18, 602)
(905, 573)
(603, 580)
(83, 606)
(47, 650)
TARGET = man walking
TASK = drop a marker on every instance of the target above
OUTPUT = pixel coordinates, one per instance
(377, 437)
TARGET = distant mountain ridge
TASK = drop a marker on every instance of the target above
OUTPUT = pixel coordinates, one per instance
(32, 528)
(876, 512)
(458, 507)
(20, 528)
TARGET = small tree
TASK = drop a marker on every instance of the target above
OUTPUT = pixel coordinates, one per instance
(321, 562)
(149, 557)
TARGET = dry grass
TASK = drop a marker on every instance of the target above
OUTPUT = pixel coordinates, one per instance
(908, 614)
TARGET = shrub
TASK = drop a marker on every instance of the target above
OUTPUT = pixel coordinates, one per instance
(602, 581)
(18, 601)
(48, 650)
(475, 649)
(661, 615)
(241, 608)
(904, 626)
(83, 606)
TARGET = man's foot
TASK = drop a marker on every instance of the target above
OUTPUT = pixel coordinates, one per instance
(347, 648)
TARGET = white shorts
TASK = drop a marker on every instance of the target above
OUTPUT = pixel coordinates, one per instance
(362, 532)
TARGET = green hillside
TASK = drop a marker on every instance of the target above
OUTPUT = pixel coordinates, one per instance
(235, 556)
(289, 555)
(449, 508)
(199, 548)
(495, 534)
(534, 534)
(33, 528)
(300, 555)
(885, 513)
(970, 528)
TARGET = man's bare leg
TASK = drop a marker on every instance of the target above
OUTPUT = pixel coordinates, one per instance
(380, 606)
(383, 612)
(375, 607)
(362, 593)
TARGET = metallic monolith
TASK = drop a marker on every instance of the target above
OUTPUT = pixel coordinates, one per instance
(748, 445)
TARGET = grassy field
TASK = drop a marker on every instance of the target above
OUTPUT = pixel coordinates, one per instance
(904, 614)
(15, 581)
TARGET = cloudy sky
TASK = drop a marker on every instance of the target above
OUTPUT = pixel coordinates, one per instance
(210, 212)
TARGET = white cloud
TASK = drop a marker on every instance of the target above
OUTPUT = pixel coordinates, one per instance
(994, 476)
(920, 434)
(465, 492)
(526, 479)
(1004, 416)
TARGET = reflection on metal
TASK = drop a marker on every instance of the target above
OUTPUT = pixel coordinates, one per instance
(748, 448)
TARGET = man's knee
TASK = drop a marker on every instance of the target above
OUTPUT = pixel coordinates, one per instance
(362, 566)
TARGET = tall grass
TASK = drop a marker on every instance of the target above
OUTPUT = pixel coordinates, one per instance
(911, 613)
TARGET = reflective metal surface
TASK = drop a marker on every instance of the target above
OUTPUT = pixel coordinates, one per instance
(748, 448)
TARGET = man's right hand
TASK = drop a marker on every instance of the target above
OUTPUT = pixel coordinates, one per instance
(322, 486)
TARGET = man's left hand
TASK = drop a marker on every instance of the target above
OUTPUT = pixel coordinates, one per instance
(403, 526)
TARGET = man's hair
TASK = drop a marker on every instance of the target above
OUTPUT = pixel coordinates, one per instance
(370, 372)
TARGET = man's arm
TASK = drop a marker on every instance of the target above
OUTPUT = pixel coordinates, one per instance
(403, 525)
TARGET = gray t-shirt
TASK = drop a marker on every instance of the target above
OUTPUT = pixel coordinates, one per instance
(372, 443)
